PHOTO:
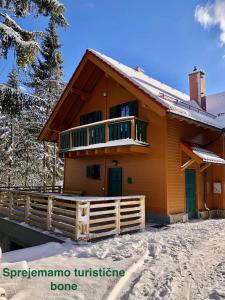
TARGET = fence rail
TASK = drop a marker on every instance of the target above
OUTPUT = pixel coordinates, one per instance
(40, 189)
(75, 217)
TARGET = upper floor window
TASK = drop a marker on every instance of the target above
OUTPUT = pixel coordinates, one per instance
(124, 110)
(91, 117)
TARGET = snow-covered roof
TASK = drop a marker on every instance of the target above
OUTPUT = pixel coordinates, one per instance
(206, 155)
(216, 103)
(173, 100)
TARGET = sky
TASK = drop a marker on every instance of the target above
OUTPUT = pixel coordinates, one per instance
(165, 38)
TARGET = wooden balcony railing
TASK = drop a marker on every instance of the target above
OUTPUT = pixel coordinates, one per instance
(103, 132)
(74, 217)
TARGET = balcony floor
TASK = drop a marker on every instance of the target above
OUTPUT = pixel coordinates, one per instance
(111, 147)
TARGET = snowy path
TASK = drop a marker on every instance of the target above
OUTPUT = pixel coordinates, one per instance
(188, 265)
(180, 262)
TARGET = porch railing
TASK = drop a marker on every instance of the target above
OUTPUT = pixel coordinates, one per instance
(103, 132)
(73, 217)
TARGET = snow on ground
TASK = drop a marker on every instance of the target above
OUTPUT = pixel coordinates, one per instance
(181, 261)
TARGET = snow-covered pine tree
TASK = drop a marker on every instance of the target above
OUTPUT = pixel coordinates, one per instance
(13, 36)
(46, 82)
(10, 111)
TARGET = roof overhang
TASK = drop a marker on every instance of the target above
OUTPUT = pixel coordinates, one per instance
(192, 121)
(200, 156)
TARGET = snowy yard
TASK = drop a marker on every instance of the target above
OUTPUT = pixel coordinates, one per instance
(182, 261)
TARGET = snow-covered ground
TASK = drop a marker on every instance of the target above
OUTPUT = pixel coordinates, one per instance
(181, 261)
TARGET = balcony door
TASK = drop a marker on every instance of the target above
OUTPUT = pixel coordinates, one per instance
(114, 182)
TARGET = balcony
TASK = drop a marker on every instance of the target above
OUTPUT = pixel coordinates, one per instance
(112, 133)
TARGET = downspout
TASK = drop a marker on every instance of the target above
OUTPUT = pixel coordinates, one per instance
(205, 193)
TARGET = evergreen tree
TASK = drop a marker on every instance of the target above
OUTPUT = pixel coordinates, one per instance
(46, 82)
(24, 42)
(11, 107)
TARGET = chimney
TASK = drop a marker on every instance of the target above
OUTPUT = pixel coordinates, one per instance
(197, 87)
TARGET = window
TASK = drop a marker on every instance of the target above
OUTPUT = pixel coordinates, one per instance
(91, 117)
(93, 172)
(124, 110)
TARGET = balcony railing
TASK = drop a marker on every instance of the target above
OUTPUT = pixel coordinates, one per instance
(104, 131)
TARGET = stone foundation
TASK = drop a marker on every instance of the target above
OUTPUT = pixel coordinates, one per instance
(212, 214)
(183, 217)
(169, 219)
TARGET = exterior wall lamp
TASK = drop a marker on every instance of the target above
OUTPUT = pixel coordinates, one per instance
(115, 162)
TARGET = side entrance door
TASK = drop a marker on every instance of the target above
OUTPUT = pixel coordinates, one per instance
(114, 182)
(190, 179)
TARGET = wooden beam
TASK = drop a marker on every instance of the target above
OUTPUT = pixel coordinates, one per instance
(190, 153)
(123, 149)
(187, 164)
(99, 151)
(81, 93)
(140, 149)
(110, 150)
(203, 168)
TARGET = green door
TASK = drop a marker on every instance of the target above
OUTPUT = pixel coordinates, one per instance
(115, 182)
(190, 178)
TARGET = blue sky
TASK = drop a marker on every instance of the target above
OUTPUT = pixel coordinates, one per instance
(163, 37)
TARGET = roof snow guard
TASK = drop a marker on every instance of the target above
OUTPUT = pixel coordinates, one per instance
(173, 100)
(201, 155)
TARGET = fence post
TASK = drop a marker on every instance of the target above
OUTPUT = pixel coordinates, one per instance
(11, 198)
(82, 220)
(27, 209)
(117, 207)
(49, 213)
(142, 206)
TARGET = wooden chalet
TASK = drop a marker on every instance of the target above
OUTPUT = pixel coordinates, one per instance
(123, 133)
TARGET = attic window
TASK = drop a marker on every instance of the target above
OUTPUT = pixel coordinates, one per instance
(91, 117)
(124, 110)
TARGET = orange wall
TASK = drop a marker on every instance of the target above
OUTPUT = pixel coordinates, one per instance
(147, 170)
(156, 174)
(178, 131)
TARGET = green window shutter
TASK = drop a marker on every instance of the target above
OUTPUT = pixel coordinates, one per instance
(88, 174)
(96, 172)
(133, 107)
(83, 119)
(114, 112)
(97, 116)
(91, 117)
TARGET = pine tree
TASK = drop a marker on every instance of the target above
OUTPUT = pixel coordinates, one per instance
(11, 107)
(12, 36)
(46, 82)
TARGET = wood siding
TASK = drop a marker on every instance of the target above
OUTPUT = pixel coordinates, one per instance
(146, 170)
(181, 131)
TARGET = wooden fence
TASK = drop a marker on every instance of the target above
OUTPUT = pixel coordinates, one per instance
(78, 218)
(40, 189)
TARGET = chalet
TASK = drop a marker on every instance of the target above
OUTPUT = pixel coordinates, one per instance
(122, 132)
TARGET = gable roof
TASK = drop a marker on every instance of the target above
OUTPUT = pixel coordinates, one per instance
(165, 97)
